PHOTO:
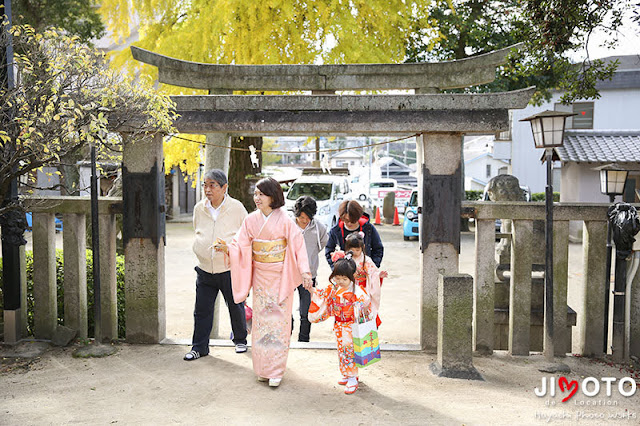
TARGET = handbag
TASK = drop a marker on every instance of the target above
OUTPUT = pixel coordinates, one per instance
(366, 344)
(248, 313)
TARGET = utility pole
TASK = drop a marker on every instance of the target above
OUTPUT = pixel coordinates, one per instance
(13, 222)
(388, 161)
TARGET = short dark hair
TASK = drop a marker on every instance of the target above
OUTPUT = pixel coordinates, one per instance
(351, 208)
(269, 186)
(306, 205)
(345, 267)
(354, 240)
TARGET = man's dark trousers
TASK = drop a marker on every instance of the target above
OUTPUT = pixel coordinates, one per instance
(305, 325)
(207, 287)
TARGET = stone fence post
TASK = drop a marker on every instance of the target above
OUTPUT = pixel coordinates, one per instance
(520, 287)
(484, 287)
(455, 312)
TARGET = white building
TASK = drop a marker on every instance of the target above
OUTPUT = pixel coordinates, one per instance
(349, 158)
(616, 110)
(481, 168)
(584, 150)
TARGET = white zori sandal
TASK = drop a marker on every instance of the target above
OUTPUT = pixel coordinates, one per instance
(274, 383)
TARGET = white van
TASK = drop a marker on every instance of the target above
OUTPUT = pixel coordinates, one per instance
(378, 188)
(327, 190)
(363, 189)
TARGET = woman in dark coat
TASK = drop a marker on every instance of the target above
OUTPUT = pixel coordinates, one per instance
(353, 219)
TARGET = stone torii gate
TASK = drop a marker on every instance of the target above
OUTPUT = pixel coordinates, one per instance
(441, 120)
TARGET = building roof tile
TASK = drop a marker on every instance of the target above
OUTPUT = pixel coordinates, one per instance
(600, 146)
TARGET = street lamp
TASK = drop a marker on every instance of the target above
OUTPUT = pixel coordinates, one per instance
(612, 181)
(548, 133)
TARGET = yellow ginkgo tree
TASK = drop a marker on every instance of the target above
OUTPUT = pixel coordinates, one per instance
(261, 32)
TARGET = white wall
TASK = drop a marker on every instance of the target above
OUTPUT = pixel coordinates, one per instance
(615, 110)
(478, 169)
(525, 158)
(502, 150)
(585, 184)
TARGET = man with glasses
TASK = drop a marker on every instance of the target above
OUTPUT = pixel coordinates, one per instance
(217, 217)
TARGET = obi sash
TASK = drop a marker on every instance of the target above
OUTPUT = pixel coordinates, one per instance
(343, 312)
(269, 251)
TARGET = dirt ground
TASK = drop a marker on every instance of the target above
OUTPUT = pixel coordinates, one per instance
(151, 384)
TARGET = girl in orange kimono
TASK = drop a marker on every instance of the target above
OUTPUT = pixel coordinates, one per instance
(268, 255)
(367, 275)
(338, 300)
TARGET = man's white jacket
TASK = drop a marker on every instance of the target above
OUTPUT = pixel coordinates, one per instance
(207, 230)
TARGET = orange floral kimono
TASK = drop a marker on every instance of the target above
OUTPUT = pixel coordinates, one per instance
(337, 302)
(268, 256)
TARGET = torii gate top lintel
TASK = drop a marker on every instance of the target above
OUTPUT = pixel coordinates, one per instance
(421, 76)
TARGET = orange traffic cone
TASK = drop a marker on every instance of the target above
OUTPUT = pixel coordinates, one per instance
(396, 219)
(377, 222)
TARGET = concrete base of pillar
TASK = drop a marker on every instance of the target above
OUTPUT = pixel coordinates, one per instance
(453, 373)
(554, 368)
(95, 350)
(12, 327)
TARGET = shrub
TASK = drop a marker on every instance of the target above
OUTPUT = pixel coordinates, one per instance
(541, 196)
(60, 291)
(473, 195)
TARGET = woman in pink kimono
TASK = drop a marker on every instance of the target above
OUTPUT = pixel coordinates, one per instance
(268, 254)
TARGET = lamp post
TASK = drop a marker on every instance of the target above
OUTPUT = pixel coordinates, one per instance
(12, 222)
(612, 181)
(548, 133)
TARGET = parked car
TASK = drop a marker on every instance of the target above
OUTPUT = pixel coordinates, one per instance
(327, 190)
(58, 222)
(410, 225)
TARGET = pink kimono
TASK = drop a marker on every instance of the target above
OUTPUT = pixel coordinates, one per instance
(273, 285)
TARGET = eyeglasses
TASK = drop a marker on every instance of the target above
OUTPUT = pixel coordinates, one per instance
(212, 185)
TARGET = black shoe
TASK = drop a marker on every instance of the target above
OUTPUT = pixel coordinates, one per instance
(192, 355)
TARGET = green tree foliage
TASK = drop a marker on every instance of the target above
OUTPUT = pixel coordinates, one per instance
(550, 30)
(269, 144)
(76, 17)
(66, 98)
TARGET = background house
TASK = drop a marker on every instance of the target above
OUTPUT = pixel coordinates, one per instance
(601, 119)
(348, 158)
(395, 169)
(480, 164)
(584, 150)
